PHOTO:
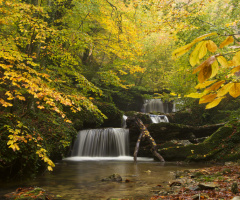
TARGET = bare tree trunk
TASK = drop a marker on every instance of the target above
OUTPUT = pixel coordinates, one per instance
(144, 133)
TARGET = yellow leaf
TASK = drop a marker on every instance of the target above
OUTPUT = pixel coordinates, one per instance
(215, 86)
(41, 107)
(50, 168)
(205, 73)
(227, 41)
(193, 59)
(182, 50)
(198, 53)
(235, 69)
(225, 89)
(207, 62)
(235, 90)
(215, 69)
(204, 36)
(194, 95)
(207, 98)
(214, 103)
(222, 61)
(205, 84)
(211, 46)
(203, 50)
(236, 59)
(68, 121)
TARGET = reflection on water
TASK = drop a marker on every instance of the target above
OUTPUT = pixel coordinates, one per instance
(75, 180)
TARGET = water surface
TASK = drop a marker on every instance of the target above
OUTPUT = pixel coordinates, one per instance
(75, 180)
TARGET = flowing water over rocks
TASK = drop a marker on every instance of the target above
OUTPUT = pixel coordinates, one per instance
(102, 142)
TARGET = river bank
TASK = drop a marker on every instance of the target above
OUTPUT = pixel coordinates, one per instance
(217, 182)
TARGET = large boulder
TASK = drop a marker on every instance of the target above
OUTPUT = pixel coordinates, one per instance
(222, 145)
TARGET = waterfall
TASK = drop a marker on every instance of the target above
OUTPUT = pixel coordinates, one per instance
(107, 142)
(159, 118)
(156, 105)
(124, 124)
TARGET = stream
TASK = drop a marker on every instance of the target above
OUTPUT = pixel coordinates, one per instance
(74, 179)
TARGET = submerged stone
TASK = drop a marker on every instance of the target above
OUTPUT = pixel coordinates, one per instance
(113, 177)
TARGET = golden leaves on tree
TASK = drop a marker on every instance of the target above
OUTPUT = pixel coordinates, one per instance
(215, 89)
(227, 41)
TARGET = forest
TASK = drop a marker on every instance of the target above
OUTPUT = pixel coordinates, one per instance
(68, 65)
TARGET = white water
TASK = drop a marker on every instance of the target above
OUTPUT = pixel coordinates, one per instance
(118, 158)
(124, 124)
(106, 142)
(153, 105)
(159, 118)
(156, 105)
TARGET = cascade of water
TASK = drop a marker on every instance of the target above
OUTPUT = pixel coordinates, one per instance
(159, 118)
(102, 142)
(124, 124)
(152, 105)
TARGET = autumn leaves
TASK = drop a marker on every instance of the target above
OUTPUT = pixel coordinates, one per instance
(220, 68)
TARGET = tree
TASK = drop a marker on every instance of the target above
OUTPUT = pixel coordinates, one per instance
(218, 65)
(30, 91)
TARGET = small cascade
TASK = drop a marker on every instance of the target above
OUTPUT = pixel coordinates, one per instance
(124, 123)
(156, 105)
(159, 118)
(107, 142)
(151, 105)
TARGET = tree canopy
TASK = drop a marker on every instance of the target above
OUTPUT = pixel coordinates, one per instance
(60, 59)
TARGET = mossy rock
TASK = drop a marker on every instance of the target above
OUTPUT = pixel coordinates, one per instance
(114, 115)
(163, 132)
(222, 145)
(145, 118)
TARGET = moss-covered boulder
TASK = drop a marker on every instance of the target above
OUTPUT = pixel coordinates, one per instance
(163, 132)
(114, 115)
(144, 117)
(223, 145)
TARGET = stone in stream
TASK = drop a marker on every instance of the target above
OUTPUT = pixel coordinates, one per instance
(113, 177)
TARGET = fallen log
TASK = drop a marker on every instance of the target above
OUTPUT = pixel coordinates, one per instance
(144, 133)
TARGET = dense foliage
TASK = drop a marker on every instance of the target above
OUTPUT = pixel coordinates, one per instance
(69, 64)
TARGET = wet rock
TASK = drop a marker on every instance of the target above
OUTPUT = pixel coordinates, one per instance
(200, 196)
(194, 188)
(175, 183)
(236, 198)
(113, 177)
(207, 186)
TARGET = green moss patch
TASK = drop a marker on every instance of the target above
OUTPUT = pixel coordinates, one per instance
(222, 145)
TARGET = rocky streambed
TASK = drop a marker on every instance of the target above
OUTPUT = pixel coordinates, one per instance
(215, 182)
(218, 182)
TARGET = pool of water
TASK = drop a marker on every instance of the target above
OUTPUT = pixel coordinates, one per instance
(81, 179)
